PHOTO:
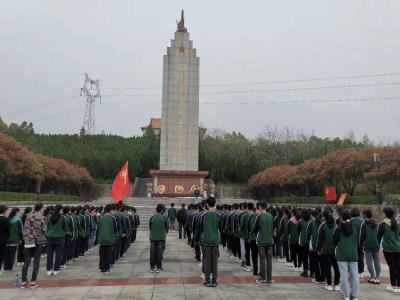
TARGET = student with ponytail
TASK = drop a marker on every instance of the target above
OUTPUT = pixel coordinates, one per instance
(369, 243)
(15, 239)
(326, 250)
(388, 234)
(346, 243)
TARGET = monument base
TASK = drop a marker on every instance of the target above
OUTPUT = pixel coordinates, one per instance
(177, 183)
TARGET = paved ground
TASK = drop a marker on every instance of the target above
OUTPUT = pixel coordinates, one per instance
(131, 279)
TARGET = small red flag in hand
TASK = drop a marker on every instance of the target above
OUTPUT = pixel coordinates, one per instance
(120, 187)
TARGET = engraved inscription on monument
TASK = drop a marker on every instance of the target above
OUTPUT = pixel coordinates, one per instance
(180, 104)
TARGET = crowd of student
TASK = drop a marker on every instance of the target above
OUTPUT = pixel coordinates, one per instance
(311, 241)
(63, 234)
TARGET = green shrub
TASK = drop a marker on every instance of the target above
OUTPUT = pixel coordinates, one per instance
(32, 198)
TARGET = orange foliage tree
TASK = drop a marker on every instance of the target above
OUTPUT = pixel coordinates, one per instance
(346, 169)
(20, 170)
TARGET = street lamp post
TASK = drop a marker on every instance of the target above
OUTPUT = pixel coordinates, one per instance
(378, 185)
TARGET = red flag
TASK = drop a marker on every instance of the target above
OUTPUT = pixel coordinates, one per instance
(120, 188)
(330, 194)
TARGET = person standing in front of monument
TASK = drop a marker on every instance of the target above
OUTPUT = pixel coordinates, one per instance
(106, 239)
(158, 226)
(172, 216)
(210, 240)
(264, 231)
(182, 218)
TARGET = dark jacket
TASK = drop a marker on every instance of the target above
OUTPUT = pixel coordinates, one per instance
(4, 230)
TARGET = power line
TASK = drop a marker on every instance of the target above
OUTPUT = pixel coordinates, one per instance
(363, 76)
(374, 99)
(359, 85)
(43, 105)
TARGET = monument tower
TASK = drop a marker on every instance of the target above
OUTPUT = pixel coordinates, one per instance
(179, 147)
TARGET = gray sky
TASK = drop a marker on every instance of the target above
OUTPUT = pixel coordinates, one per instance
(47, 46)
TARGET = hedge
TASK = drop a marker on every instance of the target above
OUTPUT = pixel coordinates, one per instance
(32, 198)
(320, 200)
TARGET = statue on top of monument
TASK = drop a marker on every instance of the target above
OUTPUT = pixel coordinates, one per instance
(181, 24)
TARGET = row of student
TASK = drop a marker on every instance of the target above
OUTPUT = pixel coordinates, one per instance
(305, 237)
(64, 233)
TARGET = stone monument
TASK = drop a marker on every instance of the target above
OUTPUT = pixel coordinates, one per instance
(179, 148)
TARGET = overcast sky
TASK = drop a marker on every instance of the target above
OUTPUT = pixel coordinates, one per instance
(47, 46)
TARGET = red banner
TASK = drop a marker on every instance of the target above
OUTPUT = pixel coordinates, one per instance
(330, 194)
(120, 187)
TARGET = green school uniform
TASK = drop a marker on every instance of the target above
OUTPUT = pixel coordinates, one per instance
(210, 235)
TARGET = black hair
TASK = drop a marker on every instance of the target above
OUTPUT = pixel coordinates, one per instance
(263, 205)
(159, 208)
(329, 220)
(3, 209)
(250, 205)
(306, 214)
(211, 202)
(108, 208)
(287, 211)
(183, 205)
(13, 213)
(347, 227)
(27, 211)
(38, 207)
(66, 210)
(235, 206)
(389, 213)
(172, 204)
(355, 212)
(56, 214)
(296, 214)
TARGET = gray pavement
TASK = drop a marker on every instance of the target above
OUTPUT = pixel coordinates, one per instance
(179, 262)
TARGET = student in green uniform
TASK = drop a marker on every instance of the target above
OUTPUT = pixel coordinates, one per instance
(76, 241)
(389, 235)
(172, 216)
(244, 229)
(68, 235)
(346, 243)
(369, 243)
(326, 250)
(303, 240)
(264, 231)
(106, 239)
(285, 236)
(356, 221)
(315, 259)
(252, 238)
(158, 226)
(210, 240)
(15, 238)
(56, 227)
